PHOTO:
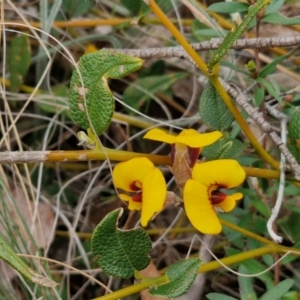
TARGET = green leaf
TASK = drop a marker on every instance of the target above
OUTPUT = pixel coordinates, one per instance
(209, 32)
(293, 142)
(181, 275)
(274, 6)
(261, 207)
(133, 5)
(75, 8)
(213, 110)
(254, 267)
(291, 295)
(157, 68)
(8, 255)
(233, 67)
(95, 68)
(18, 60)
(235, 33)
(271, 67)
(268, 259)
(291, 190)
(165, 5)
(290, 258)
(269, 88)
(277, 18)
(197, 25)
(223, 148)
(228, 7)
(245, 283)
(278, 291)
(246, 160)
(218, 296)
(201, 31)
(120, 252)
(291, 225)
(258, 95)
(141, 91)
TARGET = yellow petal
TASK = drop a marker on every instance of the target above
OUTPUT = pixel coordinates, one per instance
(226, 173)
(132, 205)
(199, 208)
(153, 195)
(189, 137)
(160, 135)
(134, 170)
(194, 139)
(229, 202)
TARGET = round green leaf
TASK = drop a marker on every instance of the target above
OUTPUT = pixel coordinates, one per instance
(222, 149)
(181, 275)
(294, 135)
(120, 252)
(133, 5)
(91, 95)
(18, 60)
(213, 110)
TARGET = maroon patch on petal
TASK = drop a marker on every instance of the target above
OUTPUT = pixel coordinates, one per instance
(133, 186)
(137, 197)
(217, 197)
(193, 154)
(222, 186)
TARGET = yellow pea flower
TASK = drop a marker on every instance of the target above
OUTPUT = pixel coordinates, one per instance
(202, 196)
(185, 149)
(146, 184)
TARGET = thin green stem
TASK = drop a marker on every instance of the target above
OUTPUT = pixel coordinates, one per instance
(215, 81)
(130, 290)
(246, 232)
(178, 36)
(117, 155)
(271, 248)
(233, 259)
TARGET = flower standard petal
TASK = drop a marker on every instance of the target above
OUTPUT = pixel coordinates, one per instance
(194, 139)
(154, 194)
(188, 137)
(199, 208)
(160, 135)
(226, 173)
(129, 175)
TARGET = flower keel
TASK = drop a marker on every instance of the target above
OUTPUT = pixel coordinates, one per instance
(202, 197)
(185, 150)
(141, 177)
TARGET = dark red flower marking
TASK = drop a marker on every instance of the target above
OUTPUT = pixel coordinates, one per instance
(134, 187)
(217, 197)
(137, 197)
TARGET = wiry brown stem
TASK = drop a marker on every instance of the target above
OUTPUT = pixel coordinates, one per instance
(265, 126)
(81, 155)
(255, 43)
